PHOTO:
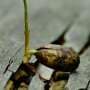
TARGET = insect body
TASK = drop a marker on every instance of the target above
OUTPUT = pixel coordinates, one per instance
(61, 58)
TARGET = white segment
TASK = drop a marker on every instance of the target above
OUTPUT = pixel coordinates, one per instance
(45, 72)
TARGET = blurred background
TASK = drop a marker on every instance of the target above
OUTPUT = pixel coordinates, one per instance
(47, 19)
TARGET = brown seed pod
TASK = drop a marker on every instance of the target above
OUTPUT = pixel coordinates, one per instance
(61, 58)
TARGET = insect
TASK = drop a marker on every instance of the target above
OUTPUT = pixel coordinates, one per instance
(61, 59)
(58, 57)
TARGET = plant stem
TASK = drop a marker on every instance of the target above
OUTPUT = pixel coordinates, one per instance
(27, 34)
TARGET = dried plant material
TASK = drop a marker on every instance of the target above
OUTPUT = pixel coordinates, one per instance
(58, 81)
(23, 86)
(58, 75)
(59, 85)
(23, 74)
(61, 58)
(10, 85)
